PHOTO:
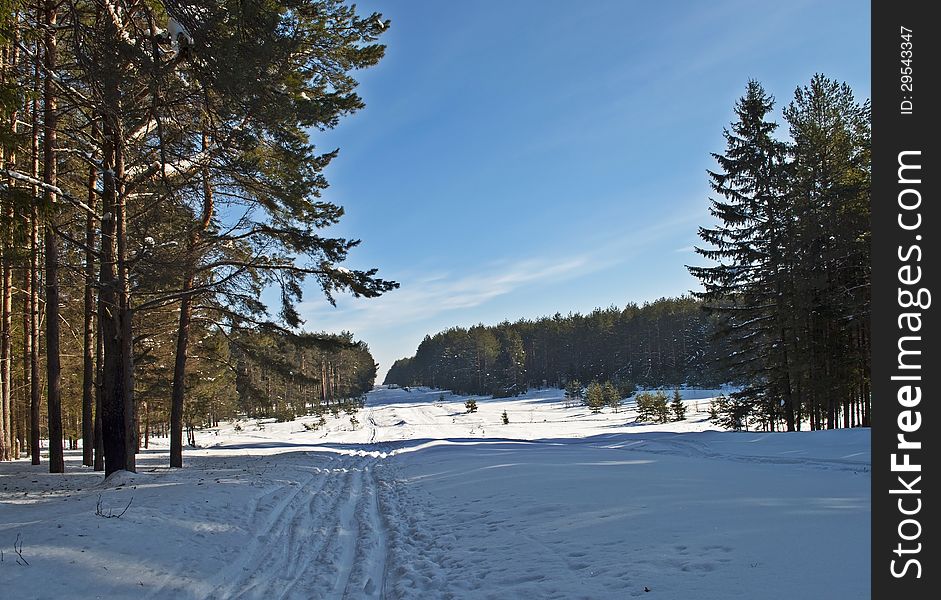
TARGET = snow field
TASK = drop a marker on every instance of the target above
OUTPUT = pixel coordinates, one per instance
(425, 501)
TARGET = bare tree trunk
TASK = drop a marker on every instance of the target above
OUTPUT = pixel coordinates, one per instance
(146, 426)
(34, 273)
(99, 439)
(27, 293)
(114, 311)
(179, 373)
(6, 303)
(182, 339)
(53, 370)
(90, 339)
(114, 404)
(5, 307)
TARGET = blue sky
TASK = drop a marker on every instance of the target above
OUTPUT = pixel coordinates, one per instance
(521, 158)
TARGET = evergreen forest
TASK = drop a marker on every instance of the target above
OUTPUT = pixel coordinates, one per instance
(161, 214)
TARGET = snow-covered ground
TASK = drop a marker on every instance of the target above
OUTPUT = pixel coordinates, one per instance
(422, 500)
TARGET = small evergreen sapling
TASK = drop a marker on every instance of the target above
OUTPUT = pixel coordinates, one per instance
(653, 407)
(679, 409)
(573, 393)
(663, 407)
(732, 413)
(611, 395)
(471, 405)
(595, 399)
(506, 419)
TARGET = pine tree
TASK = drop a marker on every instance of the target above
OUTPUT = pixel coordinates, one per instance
(471, 405)
(612, 397)
(573, 392)
(510, 364)
(731, 412)
(661, 407)
(749, 287)
(830, 182)
(505, 418)
(679, 409)
(595, 397)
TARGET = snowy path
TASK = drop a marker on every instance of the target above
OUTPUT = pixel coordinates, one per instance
(323, 537)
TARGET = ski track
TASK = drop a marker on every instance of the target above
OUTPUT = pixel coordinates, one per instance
(322, 537)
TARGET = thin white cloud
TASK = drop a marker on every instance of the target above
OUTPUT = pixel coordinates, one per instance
(427, 295)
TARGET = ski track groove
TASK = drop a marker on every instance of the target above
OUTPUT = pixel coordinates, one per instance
(326, 539)
(367, 577)
(306, 529)
(267, 549)
(306, 553)
(255, 549)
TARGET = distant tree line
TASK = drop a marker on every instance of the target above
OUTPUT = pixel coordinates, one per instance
(666, 342)
(791, 287)
(287, 377)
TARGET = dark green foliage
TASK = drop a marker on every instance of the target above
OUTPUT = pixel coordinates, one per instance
(286, 376)
(573, 392)
(471, 405)
(790, 288)
(594, 397)
(731, 412)
(677, 406)
(611, 395)
(652, 407)
(510, 364)
(505, 418)
(663, 342)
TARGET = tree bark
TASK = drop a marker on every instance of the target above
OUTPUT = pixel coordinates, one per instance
(99, 439)
(182, 340)
(7, 441)
(114, 401)
(90, 339)
(53, 370)
(35, 397)
(179, 373)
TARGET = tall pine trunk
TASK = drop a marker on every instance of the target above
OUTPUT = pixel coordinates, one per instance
(7, 441)
(179, 374)
(34, 275)
(114, 310)
(53, 370)
(99, 439)
(90, 339)
(182, 339)
(111, 313)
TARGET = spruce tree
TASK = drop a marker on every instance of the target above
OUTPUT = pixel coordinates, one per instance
(594, 397)
(612, 397)
(829, 179)
(749, 288)
(573, 392)
(679, 409)
(661, 407)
